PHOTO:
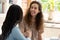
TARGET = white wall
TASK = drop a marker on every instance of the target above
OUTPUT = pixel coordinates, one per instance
(2, 17)
(19, 2)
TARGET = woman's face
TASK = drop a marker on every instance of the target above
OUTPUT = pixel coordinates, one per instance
(34, 9)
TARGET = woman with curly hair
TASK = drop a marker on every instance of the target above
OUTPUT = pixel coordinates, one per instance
(33, 21)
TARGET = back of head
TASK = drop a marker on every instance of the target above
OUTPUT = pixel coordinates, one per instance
(14, 14)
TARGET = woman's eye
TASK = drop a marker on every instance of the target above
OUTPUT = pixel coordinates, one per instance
(35, 8)
(31, 7)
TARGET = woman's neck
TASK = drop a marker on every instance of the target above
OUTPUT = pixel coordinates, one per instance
(33, 19)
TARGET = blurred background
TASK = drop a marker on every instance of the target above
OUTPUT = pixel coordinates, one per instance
(51, 13)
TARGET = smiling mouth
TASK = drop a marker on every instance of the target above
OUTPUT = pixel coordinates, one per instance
(33, 12)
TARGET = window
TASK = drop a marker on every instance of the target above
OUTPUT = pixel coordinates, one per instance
(10, 1)
(0, 7)
(51, 12)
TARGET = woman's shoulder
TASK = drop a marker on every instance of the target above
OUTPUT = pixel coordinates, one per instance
(23, 22)
(15, 29)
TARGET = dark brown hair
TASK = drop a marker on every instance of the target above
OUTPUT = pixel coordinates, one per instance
(14, 14)
(38, 19)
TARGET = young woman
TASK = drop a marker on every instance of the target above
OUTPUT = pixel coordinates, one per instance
(33, 21)
(9, 29)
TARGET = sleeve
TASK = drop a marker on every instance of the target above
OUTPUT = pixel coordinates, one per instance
(40, 34)
(18, 35)
(21, 27)
(41, 30)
